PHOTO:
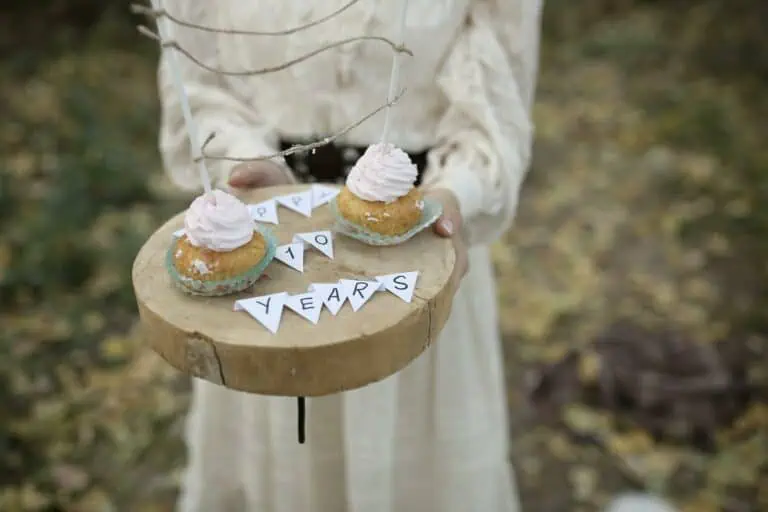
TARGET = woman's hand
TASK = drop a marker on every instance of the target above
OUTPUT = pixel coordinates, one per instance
(449, 225)
(259, 174)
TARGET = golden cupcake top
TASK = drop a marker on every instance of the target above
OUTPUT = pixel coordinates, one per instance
(218, 221)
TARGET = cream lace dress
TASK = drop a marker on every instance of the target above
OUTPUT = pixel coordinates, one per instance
(432, 438)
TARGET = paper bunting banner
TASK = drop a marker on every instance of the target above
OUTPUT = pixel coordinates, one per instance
(266, 211)
(320, 240)
(322, 194)
(359, 292)
(267, 309)
(292, 255)
(402, 285)
(300, 202)
(307, 305)
(333, 295)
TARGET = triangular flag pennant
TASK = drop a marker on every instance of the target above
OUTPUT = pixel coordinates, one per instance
(292, 255)
(359, 292)
(266, 211)
(320, 240)
(321, 194)
(178, 233)
(402, 284)
(300, 202)
(267, 309)
(307, 305)
(333, 295)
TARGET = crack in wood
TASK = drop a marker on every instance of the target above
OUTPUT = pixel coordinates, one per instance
(218, 364)
(203, 360)
(430, 308)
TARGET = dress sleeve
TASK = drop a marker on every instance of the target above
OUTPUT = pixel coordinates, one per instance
(216, 107)
(484, 137)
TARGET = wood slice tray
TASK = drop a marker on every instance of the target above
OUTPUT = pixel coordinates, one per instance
(206, 338)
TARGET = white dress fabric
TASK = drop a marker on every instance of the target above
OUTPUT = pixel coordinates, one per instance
(432, 438)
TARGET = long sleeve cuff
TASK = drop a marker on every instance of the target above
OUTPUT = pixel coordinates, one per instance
(465, 185)
(487, 199)
(233, 139)
(242, 142)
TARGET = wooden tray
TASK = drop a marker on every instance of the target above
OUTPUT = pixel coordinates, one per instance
(205, 338)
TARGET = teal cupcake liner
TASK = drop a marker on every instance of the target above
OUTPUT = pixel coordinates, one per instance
(433, 209)
(224, 286)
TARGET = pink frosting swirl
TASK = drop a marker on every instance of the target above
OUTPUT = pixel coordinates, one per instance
(218, 221)
(384, 173)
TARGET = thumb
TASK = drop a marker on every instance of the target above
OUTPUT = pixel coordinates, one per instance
(450, 222)
(247, 176)
(256, 175)
(445, 226)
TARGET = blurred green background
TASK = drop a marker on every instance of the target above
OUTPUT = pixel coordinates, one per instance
(642, 223)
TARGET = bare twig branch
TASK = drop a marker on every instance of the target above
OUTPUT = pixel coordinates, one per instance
(173, 44)
(157, 13)
(299, 148)
(147, 32)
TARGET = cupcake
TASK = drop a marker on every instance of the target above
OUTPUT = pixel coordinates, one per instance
(380, 194)
(221, 251)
